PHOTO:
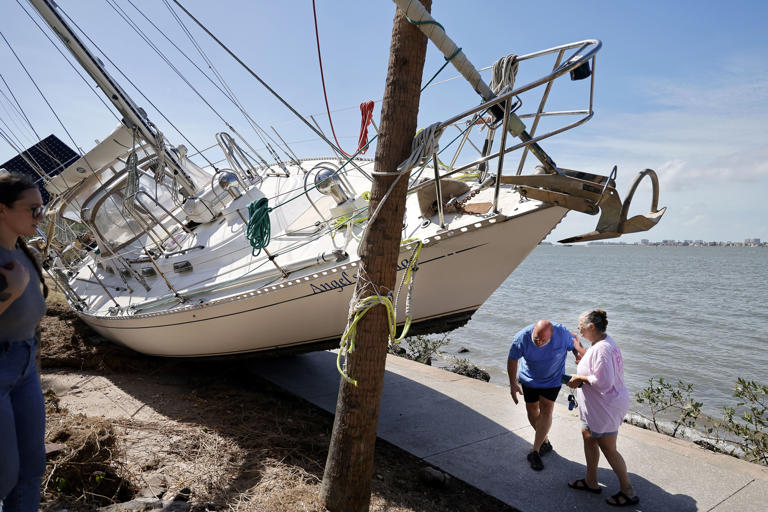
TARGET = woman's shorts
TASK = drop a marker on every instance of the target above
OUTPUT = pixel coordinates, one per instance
(584, 426)
(532, 395)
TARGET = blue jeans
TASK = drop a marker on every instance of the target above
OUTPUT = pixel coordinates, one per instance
(22, 427)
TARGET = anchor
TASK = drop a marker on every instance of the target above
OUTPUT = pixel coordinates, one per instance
(590, 194)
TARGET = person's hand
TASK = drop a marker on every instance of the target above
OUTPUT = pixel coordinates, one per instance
(575, 381)
(578, 347)
(514, 389)
(14, 280)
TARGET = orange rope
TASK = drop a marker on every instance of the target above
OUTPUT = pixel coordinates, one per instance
(366, 108)
(366, 114)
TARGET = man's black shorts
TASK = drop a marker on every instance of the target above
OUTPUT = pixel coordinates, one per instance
(532, 394)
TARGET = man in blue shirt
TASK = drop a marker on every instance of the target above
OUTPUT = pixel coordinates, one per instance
(542, 348)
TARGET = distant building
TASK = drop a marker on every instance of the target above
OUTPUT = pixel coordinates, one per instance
(752, 242)
(644, 241)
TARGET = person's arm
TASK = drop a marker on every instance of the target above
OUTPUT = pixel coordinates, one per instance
(578, 348)
(601, 374)
(577, 380)
(572, 342)
(514, 385)
(14, 278)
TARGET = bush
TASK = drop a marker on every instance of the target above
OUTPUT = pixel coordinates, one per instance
(675, 399)
(742, 432)
(750, 427)
(419, 348)
(466, 368)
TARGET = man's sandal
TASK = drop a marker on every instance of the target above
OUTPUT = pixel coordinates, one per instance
(622, 500)
(581, 485)
(535, 460)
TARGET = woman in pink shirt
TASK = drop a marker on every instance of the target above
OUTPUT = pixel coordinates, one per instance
(603, 402)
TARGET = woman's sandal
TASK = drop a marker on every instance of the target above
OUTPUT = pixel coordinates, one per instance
(581, 485)
(622, 500)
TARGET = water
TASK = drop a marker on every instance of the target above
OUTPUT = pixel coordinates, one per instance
(691, 313)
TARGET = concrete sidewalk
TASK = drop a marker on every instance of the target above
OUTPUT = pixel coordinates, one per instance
(473, 431)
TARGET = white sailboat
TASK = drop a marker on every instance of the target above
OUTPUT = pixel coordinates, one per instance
(174, 259)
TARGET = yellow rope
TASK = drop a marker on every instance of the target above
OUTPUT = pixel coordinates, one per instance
(347, 344)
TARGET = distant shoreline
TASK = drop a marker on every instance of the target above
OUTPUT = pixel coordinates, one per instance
(666, 243)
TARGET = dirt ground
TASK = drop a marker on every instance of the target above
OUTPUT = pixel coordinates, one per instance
(217, 438)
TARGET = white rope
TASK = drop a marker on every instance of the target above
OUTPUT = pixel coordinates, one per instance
(504, 73)
(132, 182)
(424, 145)
(410, 280)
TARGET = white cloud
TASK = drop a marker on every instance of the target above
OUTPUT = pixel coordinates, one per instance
(715, 99)
(701, 135)
(735, 168)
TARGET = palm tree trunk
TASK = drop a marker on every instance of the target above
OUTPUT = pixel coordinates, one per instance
(349, 467)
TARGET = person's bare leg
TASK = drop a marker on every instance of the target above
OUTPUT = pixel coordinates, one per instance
(592, 456)
(533, 414)
(543, 423)
(608, 447)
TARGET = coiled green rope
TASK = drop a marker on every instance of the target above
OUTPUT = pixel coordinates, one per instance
(259, 227)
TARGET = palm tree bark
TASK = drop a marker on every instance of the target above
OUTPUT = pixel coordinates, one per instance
(348, 470)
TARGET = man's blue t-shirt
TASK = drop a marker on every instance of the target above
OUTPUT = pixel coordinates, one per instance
(541, 367)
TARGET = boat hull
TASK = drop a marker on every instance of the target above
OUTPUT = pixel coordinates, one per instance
(457, 271)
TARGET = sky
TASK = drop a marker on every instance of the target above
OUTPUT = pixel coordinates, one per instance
(680, 87)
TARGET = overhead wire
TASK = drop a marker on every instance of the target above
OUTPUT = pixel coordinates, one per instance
(202, 72)
(74, 68)
(61, 123)
(42, 146)
(136, 87)
(260, 132)
(157, 50)
(256, 76)
(325, 92)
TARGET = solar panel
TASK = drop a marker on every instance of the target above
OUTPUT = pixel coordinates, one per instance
(48, 158)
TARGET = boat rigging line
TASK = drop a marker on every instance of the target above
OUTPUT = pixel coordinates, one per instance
(256, 76)
(146, 39)
(366, 108)
(26, 156)
(61, 123)
(74, 68)
(202, 72)
(260, 132)
(119, 70)
(17, 105)
(14, 116)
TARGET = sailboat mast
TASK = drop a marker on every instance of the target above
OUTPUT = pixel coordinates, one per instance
(133, 115)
